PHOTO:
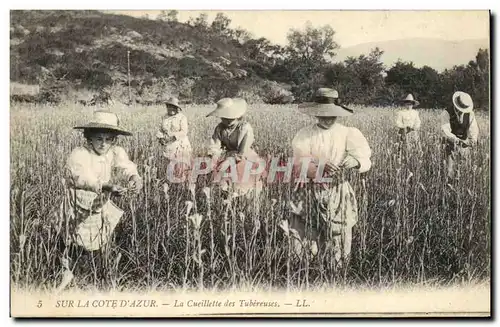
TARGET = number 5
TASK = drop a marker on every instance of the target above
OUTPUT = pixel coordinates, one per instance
(39, 305)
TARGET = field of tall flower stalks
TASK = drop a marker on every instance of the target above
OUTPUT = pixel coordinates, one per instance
(413, 228)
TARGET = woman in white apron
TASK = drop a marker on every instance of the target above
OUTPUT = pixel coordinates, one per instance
(89, 217)
(328, 149)
(173, 136)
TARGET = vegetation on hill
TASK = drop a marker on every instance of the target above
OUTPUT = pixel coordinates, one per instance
(70, 54)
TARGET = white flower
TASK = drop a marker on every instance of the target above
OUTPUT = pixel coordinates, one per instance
(296, 209)
(196, 219)
(206, 190)
(297, 246)
(189, 205)
(284, 226)
(257, 224)
(192, 189)
(165, 190)
(313, 247)
(22, 240)
(65, 263)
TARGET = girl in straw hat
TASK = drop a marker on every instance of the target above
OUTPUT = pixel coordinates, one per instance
(330, 149)
(459, 130)
(173, 136)
(408, 124)
(89, 217)
(233, 139)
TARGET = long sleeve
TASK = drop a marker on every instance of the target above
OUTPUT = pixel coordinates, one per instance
(357, 146)
(79, 171)
(245, 139)
(446, 128)
(183, 132)
(301, 152)
(399, 120)
(215, 146)
(122, 161)
(164, 127)
(473, 129)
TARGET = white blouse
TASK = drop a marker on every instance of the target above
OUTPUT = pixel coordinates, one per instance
(176, 126)
(333, 144)
(89, 171)
(408, 118)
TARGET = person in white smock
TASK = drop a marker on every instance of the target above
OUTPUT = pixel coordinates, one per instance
(408, 124)
(173, 136)
(332, 149)
(88, 216)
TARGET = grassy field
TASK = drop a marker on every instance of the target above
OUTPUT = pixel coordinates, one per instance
(412, 229)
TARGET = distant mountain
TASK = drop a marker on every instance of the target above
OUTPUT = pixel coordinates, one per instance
(437, 53)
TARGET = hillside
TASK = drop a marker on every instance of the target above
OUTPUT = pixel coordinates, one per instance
(436, 53)
(89, 49)
(76, 55)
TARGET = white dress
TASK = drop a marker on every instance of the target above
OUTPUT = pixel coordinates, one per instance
(408, 124)
(178, 148)
(335, 203)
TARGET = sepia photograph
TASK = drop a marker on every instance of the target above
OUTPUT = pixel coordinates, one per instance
(250, 163)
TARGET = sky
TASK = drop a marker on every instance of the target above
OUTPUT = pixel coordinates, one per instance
(354, 27)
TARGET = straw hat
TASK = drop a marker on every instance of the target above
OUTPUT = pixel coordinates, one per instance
(104, 120)
(463, 102)
(230, 108)
(172, 101)
(409, 98)
(326, 104)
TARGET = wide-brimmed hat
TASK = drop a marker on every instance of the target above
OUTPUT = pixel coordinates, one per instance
(172, 101)
(410, 99)
(102, 119)
(230, 108)
(463, 102)
(326, 104)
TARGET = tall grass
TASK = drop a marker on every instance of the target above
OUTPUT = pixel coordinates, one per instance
(412, 227)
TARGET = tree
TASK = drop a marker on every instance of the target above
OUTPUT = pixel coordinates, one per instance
(220, 24)
(472, 78)
(162, 16)
(172, 15)
(199, 22)
(241, 35)
(358, 80)
(307, 51)
(482, 79)
(312, 43)
(424, 83)
(256, 48)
